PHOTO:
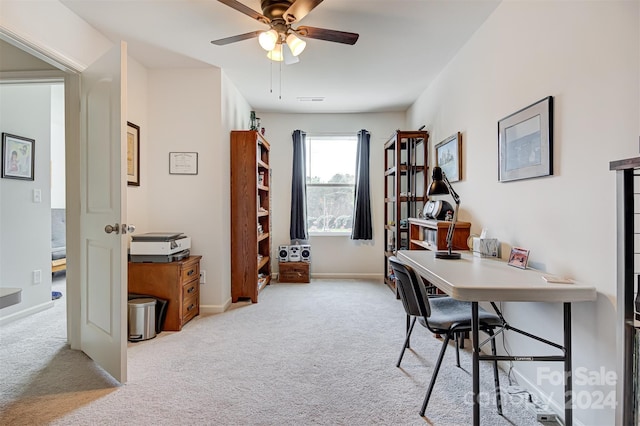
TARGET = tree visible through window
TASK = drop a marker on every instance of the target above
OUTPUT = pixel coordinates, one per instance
(331, 164)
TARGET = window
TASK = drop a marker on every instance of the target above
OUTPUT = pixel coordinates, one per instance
(331, 165)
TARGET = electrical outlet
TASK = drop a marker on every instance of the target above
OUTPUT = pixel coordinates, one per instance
(203, 277)
(37, 276)
(543, 414)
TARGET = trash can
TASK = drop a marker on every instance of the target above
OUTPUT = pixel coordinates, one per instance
(142, 319)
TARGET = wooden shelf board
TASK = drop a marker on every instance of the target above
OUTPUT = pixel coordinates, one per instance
(262, 164)
(263, 262)
(263, 214)
(264, 283)
(263, 236)
(423, 244)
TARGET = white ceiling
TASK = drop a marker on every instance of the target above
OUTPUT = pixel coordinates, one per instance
(403, 45)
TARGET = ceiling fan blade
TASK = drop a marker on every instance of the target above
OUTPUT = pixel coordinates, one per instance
(299, 9)
(239, 37)
(328, 35)
(246, 10)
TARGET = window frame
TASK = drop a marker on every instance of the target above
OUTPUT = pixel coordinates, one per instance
(318, 138)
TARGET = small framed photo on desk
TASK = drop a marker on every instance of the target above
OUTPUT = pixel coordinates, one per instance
(519, 257)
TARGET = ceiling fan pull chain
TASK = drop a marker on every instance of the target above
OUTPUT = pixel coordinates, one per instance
(280, 95)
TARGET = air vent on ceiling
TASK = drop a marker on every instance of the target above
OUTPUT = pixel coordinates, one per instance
(310, 98)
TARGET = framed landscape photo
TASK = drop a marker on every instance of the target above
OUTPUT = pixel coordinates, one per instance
(133, 154)
(448, 154)
(18, 157)
(519, 257)
(525, 142)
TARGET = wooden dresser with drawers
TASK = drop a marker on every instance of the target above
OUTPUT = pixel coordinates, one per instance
(177, 282)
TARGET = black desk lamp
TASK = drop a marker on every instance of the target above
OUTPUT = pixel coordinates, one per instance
(440, 185)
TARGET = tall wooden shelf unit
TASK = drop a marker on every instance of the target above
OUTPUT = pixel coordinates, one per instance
(405, 189)
(628, 274)
(250, 215)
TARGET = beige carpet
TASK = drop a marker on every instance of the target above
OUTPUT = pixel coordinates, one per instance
(307, 354)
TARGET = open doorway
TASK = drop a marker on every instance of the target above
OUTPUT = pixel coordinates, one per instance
(95, 124)
(58, 195)
(32, 109)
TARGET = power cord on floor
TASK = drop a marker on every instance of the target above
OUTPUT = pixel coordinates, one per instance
(542, 411)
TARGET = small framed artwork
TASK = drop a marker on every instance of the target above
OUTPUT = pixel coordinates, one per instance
(448, 154)
(183, 163)
(525, 142)
(133, 154)
(18, 157)
(519, 257)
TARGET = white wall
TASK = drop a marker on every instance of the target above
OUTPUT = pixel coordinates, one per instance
(331, 255)
(25, 226)
(585, 54)
(184, 115)
(52, 27)
(58, 195)
(137, 99)
(235, 116)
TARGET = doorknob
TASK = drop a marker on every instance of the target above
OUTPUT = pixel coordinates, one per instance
(109, 229)
(128, 228)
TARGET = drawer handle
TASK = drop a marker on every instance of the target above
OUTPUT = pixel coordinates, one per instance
(191, 272)
(191, 290)
(191, 306)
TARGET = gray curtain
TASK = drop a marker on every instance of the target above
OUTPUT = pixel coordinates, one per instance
(362, 201)
(298, 226)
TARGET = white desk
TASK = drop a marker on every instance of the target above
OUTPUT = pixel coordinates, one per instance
(476, 279)
(10, 296)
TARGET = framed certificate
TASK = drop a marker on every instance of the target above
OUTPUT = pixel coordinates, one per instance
(183, 163)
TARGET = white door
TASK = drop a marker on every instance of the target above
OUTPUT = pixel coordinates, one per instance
(103, 320)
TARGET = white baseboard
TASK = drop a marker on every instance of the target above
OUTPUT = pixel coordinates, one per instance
(26, 312)
(338, 276)
(532, 388)
(347, 276)
(215, 309)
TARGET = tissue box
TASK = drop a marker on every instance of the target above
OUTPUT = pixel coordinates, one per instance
(485, 247)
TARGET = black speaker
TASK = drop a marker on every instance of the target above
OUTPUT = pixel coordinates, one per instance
(283, 253)
(305, 253)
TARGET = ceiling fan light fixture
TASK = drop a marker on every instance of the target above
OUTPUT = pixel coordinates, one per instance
(296, 44)
(276, 53)
(268, 39)
(288, 56)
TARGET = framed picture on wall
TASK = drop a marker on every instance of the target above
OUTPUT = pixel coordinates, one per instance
(18, 157)
(525, 142)
(133, 154)
(448, 153)
(183, 163)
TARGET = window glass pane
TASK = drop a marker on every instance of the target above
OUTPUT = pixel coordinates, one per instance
(331, 162)
(329, 208)
(331, 159)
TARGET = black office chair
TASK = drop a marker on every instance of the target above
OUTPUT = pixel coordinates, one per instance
(441, 315)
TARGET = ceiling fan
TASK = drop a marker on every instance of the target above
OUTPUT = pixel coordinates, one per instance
(281, 40)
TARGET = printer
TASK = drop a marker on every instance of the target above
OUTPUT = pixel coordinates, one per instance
(159, 247)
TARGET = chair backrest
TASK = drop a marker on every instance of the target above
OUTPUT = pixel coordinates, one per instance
(411, 290)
